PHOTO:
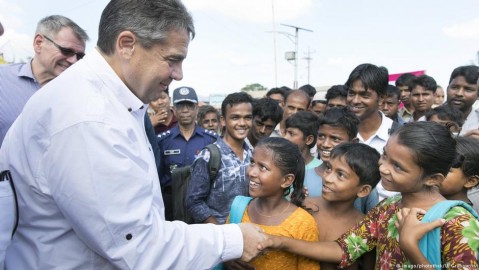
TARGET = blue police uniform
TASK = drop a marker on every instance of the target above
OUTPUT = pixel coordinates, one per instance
(177, 152)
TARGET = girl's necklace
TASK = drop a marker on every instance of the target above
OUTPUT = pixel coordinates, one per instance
(259, 213)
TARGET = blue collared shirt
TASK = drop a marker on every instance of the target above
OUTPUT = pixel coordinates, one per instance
(203, 199)
(177, 152)
(17, 85)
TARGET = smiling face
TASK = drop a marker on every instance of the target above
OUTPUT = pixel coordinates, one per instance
(148, 71)
(266, 179)
(237, 121)
(328, 138)
(340, 182)
(362, 102)
(49, 60)
(399, 171)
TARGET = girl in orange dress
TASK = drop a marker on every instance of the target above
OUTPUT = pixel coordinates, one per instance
(277, 164)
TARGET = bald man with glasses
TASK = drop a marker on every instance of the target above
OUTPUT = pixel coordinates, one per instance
(59, 43)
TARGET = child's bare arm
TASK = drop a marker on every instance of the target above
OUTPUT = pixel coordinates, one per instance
(411, 230)
(327, 251)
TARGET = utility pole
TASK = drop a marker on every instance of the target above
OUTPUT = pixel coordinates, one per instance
(296, 41)
(308, 59)
(274, 42)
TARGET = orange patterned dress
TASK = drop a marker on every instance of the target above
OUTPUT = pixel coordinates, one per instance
(459, 239)
(299, 225)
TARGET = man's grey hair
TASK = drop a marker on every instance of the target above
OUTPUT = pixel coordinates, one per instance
(51, 25)
(149, 20)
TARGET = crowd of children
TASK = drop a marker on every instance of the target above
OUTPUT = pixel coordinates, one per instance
(341, 187)
(334, 216)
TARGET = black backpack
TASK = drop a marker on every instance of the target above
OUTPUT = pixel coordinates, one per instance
(181, 178)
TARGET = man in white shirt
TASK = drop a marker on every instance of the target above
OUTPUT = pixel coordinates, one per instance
(367, 85)
(83, 168)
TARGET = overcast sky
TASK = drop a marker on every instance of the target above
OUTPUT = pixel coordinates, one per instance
(235, 43)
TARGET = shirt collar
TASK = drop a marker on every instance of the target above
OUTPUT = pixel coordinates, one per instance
(223, 145)
(175, 131)
(113, 82)
(26, 71)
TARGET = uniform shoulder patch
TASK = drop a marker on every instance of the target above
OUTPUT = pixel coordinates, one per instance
(163, 135)
(211, 133)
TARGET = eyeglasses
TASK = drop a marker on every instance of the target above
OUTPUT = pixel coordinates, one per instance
(66, 51)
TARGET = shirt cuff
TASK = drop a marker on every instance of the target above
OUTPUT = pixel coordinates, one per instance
(233, 242)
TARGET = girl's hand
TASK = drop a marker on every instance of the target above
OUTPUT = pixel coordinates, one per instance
(410, 229)
(271, 241)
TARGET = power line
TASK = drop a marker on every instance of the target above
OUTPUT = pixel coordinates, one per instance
(296, 41)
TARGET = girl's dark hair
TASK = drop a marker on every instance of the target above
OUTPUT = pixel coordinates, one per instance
(288, 159)
(432, 144)
(467, 149)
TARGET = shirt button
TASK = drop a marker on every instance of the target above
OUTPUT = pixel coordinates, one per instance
(129, 236)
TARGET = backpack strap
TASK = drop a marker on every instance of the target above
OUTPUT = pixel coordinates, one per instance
(238, 208)
(430, 244)
(214, 162)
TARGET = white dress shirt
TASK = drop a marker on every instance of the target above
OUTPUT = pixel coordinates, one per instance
(87, 184)
(472, 121)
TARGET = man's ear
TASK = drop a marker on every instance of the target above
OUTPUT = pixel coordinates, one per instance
(434, 180)
(364, 191)
(126, 42)
(472, 182)
(309, 140)
(287, 180)
(222, 121)
(37, 42)
(355, 140)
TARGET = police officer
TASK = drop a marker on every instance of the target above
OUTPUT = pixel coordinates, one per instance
(180, 145)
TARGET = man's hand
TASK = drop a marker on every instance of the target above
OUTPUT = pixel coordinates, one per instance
(159, 118)
(252, 236)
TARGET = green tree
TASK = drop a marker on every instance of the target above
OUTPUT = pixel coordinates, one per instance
(253, 87)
